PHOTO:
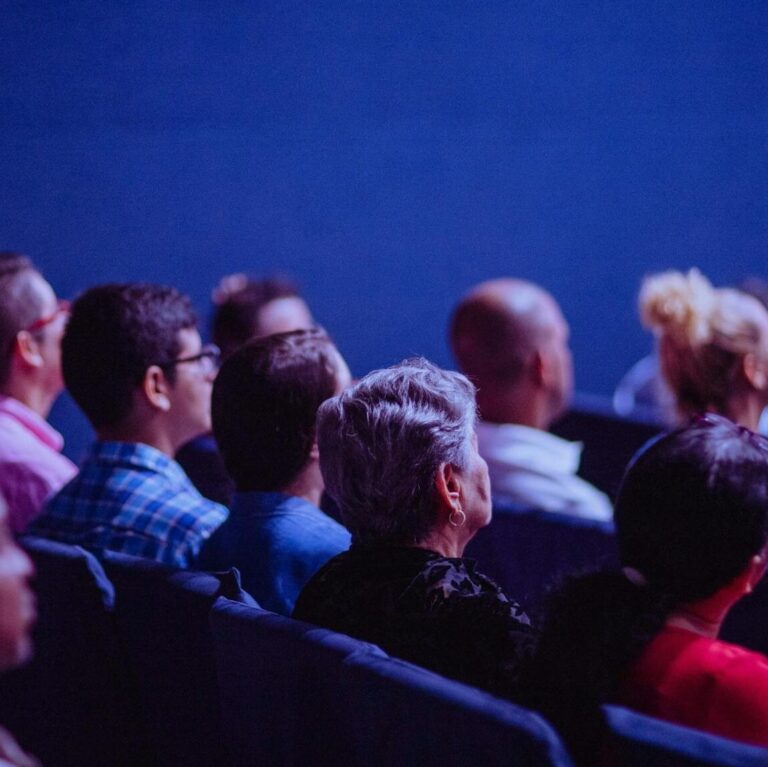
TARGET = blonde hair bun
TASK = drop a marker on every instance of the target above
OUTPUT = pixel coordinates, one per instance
(680, 306)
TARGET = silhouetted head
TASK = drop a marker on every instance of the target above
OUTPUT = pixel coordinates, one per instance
(510, 337)
(246, 308)
(265, 402)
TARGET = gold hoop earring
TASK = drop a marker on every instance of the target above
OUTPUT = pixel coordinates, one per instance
(461, 515)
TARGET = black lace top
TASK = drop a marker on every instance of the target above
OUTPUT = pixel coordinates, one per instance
(420, 606)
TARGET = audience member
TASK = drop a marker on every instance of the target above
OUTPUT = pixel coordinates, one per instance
(31, 325)
(133, 362)
(399, 455)
(692, 521)
(509, 336)
(713, 345)
(248, 308)
(244, 309)
(17, 614)
(265, 402)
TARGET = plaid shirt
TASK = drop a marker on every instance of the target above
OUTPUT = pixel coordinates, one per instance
(132, 498)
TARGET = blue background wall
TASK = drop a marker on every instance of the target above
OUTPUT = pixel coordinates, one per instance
(390, 155)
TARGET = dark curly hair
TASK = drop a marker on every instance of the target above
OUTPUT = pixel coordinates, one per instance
(115, 332)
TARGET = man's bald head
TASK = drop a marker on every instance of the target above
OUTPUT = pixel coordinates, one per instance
(498, 326)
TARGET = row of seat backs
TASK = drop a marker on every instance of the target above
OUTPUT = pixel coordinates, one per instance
(123, 672)
(137, 664)
(151, 666)
(292, 694)
(295, 694)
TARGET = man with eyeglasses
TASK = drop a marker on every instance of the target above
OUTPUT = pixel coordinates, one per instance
(133, 361)
(31, 325)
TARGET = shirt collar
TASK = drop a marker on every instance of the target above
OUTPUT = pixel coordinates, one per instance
(532, 446)
(137, 455)
(257, 502)
(32, 422)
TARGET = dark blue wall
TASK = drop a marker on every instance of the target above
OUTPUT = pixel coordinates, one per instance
(390, 154)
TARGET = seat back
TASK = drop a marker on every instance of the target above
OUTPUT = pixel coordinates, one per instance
(396, 713)
(526, 550)
(294, 694)
(162, 614)
(609, 440)
(641, 741)
(281, 687)
(75, 703)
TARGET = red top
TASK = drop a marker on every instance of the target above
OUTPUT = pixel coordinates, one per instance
(703, 683)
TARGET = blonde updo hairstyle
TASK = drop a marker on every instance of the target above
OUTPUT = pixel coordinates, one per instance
(705, 334)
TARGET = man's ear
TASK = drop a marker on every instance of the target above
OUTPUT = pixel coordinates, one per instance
(28, 350)
(540, 368)
(754, 369)
(155, 388)
(448, 487)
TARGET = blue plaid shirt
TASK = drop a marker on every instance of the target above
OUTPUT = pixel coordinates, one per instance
(132, 498)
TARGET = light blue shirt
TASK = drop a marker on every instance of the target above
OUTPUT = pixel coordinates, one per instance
(278, 542)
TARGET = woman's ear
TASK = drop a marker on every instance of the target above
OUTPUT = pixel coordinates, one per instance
(754, 369)
(314, 452)
(448, 487)
(155, 388)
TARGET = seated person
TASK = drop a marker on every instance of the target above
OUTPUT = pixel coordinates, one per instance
(17, 614)
(133, 362)
(31, 325)
(511, 339)
(399, 456)
(265, 403)
(244, 309)
(692, 525)
(713, 345)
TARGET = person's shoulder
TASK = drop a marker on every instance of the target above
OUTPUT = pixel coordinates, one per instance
(740, 692)
(742, 668)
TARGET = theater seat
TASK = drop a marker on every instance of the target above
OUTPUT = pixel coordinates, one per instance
(609, 440)
(294, 694)
(281, 687)
(162, 615)
(397, 713)
(641, 741)
(525, 550)
(75, 704)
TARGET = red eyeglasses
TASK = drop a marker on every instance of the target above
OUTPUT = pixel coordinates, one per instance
(62, 307)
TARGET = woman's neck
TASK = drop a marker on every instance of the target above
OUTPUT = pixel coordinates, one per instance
(444, 542)
(684, 618)
(706, 616)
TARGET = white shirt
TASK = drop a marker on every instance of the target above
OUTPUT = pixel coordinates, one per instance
(535, 468)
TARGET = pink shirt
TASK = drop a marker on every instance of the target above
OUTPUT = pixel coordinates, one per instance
(31, 464)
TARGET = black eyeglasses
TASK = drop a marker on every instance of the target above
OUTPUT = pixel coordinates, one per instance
(209, 356)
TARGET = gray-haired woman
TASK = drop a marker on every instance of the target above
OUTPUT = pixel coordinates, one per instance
(399, 456)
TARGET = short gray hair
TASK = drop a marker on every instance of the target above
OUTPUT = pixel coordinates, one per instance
(382, 441)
